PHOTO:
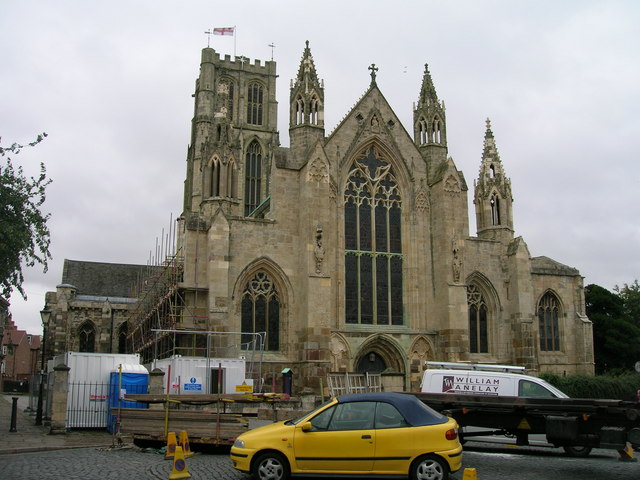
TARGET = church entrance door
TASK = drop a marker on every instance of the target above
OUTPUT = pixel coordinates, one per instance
(371, 363)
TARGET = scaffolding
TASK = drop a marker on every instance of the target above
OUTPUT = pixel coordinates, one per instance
(247, 346)
(161, 306)
(171, 317)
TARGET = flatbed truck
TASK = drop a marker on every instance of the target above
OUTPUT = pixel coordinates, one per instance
(577, 425)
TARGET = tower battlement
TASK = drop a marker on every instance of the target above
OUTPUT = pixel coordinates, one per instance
(209, 55)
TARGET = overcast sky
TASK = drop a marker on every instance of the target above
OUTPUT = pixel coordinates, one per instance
(111, 83)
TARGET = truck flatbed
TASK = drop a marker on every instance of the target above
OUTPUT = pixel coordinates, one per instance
(566, 422)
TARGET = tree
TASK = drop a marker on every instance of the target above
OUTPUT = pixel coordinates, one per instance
(630, 295)
(616, 339)
(24, 234)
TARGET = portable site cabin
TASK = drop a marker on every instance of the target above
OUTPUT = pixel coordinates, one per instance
(201, 375)
(90, 375)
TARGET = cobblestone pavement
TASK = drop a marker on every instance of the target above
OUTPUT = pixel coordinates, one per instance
(31, 453)
(29, 437)
(111, 464)
(492, 462)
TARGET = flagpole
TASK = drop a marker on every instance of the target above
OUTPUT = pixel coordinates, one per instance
(235, 35)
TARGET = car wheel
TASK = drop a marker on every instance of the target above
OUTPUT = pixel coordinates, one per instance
(577, 451)
(429, 467)
(270, 466)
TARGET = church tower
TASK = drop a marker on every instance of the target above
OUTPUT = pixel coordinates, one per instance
(429, 123)
(493, 198)
(233, 135)
(306, 110)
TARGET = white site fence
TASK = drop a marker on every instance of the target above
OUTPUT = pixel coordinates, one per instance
(345, 382)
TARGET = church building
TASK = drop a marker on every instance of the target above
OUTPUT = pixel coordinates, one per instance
(351, 249)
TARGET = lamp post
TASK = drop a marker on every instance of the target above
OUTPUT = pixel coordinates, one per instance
(45, 315)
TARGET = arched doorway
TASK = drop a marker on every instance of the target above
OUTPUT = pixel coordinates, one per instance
(371, 362)
(382, 354)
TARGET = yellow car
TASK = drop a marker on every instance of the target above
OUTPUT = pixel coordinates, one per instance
(388, 434)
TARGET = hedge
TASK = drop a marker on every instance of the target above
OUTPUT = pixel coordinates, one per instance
(618, 387)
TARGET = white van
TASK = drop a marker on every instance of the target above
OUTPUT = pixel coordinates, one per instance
(479, 379)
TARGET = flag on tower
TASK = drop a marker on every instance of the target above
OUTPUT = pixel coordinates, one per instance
(224, 31)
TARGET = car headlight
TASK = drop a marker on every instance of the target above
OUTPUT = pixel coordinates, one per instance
(238, 443)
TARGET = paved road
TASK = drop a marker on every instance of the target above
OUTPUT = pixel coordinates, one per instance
(542, 463)
(492, 462)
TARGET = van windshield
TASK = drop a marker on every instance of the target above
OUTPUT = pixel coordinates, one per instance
(527, 388)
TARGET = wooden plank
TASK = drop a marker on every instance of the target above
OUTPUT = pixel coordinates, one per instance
(202, 399)
(201, 426)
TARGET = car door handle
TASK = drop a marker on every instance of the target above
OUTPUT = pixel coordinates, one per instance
(366, 436)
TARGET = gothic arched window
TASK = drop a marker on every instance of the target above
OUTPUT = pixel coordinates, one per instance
(255, 103)
(261, 311)
(230, 100)
(232, 173)
(299, 120)
(215, 177)
(548, 314)
(86, 338)
(494, 202)
(423, 134)
(252, 178)
(123, 331)
(314, 117)
(373, 247)
(436, 131)
(478, 321)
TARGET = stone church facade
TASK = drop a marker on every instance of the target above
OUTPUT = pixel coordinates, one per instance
(351, 249)
(91, 307)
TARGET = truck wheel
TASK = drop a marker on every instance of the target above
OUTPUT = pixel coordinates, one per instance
(429, 467)
(577, 450)
(270, 466)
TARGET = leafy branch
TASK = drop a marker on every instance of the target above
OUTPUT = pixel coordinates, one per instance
(24, 234)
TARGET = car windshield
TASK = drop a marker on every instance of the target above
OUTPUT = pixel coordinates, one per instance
(297, 420)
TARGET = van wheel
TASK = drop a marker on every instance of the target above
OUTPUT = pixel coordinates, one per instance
(429, 467)
(577, 450)
(270, 466)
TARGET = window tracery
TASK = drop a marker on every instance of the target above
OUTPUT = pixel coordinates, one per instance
(373, 247)
(253, 178)
(478, 320)
(255, 104)
(86, 338)
(261, 311)
(549, 328)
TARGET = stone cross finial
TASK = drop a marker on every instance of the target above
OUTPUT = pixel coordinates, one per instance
(373, 69)
(488, 124)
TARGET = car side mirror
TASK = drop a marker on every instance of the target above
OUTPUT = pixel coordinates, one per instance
(306, 427)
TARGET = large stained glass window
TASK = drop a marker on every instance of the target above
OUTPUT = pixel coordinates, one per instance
(548, 323)
(373, 246)
(261, 311)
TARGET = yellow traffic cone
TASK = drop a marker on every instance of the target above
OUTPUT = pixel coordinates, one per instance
(171, 445)
(626, 454)
(469, 474)
(183, 441)
(179, 466)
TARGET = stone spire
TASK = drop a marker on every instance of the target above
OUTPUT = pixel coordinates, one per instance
(306, 109)
(428, 95)
(492, 197)
(429, 123)
(307, 78)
